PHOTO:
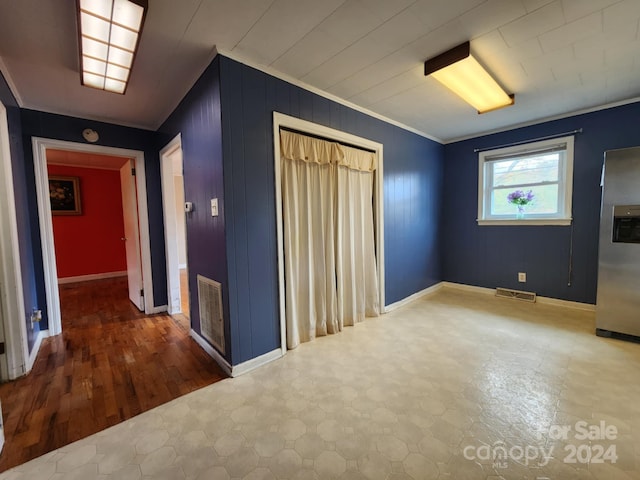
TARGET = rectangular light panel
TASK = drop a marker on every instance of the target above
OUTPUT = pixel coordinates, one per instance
(109, 33)
(460, 72)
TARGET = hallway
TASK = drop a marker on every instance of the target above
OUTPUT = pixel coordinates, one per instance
(110, 363)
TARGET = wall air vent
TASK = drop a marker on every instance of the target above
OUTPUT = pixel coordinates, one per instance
(211, 319)
(516, 294)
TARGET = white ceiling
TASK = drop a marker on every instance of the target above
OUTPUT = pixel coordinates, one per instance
(556, 56)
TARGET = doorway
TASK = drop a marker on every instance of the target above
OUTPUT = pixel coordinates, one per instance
(285, 121)
(96, 235)
(173, 203)
(40, 147)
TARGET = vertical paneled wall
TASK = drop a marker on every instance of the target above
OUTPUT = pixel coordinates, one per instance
(412, 183)
(197, 119)
(491, 256)
(22, 200)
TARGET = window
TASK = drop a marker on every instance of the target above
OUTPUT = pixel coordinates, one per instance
(545, 169)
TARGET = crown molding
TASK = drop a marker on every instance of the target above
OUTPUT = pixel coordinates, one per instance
(573, 113)
(12, 86)
(298, 83)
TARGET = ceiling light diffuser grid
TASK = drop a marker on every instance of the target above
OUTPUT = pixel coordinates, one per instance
(109, 35)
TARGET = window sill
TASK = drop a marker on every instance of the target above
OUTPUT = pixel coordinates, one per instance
(529, 221)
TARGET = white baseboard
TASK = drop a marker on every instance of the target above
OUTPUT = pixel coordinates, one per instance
(213, 353)
(413, 298)
(567, 303)
(240, 369)
(545, 300)
(254, 363)
(469, 288)
(160, 309)
(93, 276)
(15, 373)
(42, 334)
(486, 291)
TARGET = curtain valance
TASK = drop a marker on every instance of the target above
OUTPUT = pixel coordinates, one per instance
(297, 147)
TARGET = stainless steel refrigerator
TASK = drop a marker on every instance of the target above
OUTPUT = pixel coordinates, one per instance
(618, 299)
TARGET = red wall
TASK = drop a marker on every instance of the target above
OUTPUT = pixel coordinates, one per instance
(91, 243)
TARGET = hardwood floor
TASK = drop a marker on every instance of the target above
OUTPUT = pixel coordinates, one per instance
(110, 363)
(183, 318)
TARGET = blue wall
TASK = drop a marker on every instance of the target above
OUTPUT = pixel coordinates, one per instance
(197, 118)
(21, 191)
(412, 198)
(226, 124)
(59, 127)
(491, 256)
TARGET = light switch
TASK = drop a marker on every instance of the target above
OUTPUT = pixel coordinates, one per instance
(214, 207)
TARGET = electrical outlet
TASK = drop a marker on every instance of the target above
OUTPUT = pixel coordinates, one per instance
(36, 315)
(522, 277)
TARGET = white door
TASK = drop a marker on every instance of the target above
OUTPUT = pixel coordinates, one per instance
(131, 234)
(174, 219)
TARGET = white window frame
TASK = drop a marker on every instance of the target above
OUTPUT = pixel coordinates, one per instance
(565, 185)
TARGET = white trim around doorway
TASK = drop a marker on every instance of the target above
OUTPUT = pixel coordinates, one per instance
(40, 145)
(170, 231)
(12, 307)
(282, 120)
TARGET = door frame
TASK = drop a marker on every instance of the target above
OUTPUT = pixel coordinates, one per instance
(282, 120)
(40, 145)
(12, 307)
(170, 231)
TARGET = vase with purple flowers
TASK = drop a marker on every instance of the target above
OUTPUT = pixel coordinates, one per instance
(520, 199)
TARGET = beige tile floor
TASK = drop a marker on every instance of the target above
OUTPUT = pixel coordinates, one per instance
(427, 391)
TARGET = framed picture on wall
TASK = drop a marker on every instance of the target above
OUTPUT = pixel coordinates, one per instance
(64, 193)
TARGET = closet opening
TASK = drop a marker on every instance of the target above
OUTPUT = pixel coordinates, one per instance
(330, 224)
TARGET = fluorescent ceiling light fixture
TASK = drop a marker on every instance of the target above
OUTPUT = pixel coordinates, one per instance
(461, 73)
(109, 36)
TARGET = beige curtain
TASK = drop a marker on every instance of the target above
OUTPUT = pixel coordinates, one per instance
(330, 265)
